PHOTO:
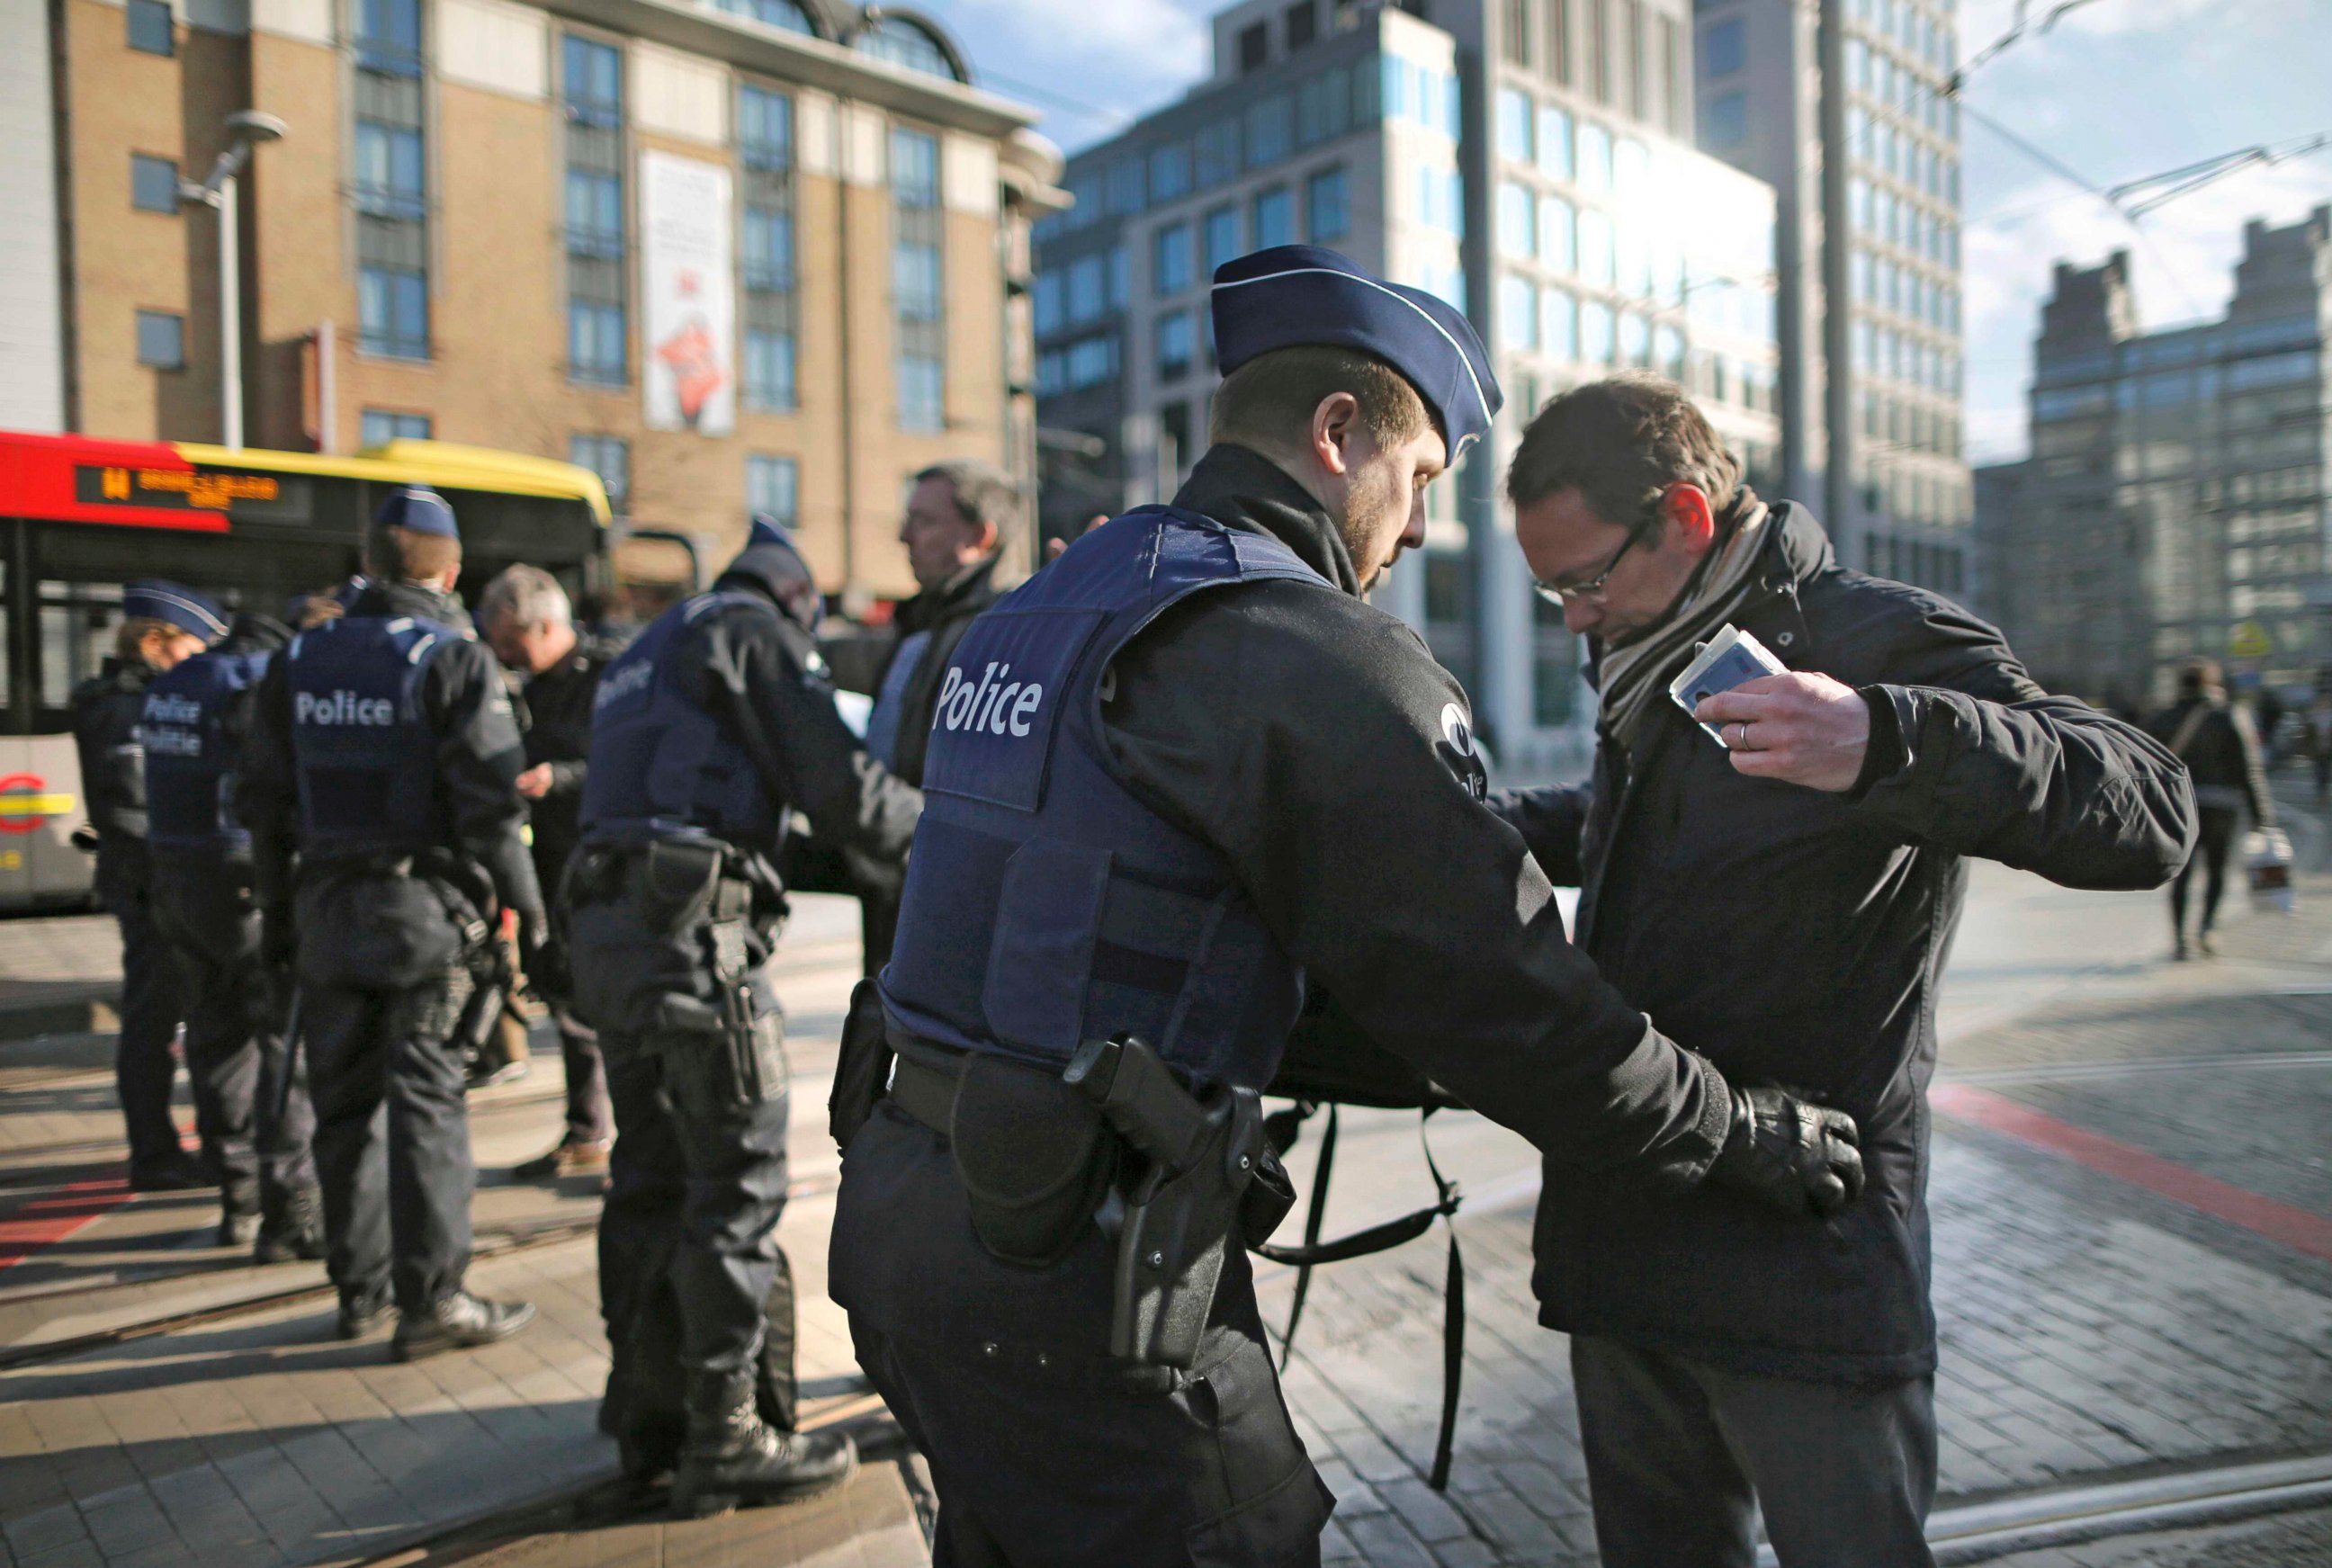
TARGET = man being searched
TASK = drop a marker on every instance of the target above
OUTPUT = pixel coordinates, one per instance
(710, 731)
(384, 757)
(162, 624)
(254, 1126)
(527, 619)
(2215, 739)
(1780, 895)
(1182, 769)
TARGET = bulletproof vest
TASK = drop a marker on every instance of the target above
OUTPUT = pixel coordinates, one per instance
(1045, 904)
(363, 748)
(662, 765)
(188, 763)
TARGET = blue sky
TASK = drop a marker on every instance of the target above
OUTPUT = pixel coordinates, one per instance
(2118, 89)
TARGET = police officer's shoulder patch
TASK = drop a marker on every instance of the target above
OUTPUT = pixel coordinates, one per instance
(1456, 749)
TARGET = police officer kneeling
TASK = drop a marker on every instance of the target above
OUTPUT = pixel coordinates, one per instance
(708, 732)
(256, 1134)
(383, 752)
(1177, 771)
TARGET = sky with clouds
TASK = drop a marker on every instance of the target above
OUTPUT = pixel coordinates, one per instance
(2115, 90)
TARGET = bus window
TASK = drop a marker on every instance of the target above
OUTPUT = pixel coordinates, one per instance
(77, 622)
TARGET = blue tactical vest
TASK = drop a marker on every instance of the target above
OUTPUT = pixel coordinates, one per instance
(189, 768)
(365, 756)
(1046, 904)
(661, 765)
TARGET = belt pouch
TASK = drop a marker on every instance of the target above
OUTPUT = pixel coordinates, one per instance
(677, 882)
(1033, 1157)
(1267, 1198)
(862, 1068)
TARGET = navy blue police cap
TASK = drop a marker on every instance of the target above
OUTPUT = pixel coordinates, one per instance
(773, 562)
(420, 508)
(174, 603)
(1290, 296)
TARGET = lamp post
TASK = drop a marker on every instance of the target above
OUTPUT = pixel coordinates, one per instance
(246, 129)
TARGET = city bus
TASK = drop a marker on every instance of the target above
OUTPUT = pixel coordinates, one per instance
(79, 517)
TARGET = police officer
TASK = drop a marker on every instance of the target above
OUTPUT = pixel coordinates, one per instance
(1178, 770)
(383, 749)
(196, 716)
(529, 621)
(711, 728)
(162, 624)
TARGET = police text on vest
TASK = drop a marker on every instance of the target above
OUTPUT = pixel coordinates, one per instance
(342, 707)
(990, 703)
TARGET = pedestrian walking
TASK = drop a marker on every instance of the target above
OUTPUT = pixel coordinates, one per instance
(528, 620)
(1775, 875)
(255, 1127)
(384, 757)
(710, 730)
(2214, 739)
(1179, 770)
(162, 624)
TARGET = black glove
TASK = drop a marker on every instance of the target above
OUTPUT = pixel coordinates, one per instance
(1798, 1156)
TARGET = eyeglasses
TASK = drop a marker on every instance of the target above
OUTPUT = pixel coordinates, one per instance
(1593, 589)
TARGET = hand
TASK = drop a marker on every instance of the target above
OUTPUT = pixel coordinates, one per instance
(1799, 1157)
(1801, 727)
(535, 782)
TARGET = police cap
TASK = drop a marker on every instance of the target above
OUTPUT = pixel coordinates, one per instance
(176, 605)
(772, 562)
(1291, 296)
(420, 508)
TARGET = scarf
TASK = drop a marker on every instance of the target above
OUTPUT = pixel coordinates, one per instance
(1635, 675)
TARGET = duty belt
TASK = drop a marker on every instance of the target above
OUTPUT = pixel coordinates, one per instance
(926, 1092)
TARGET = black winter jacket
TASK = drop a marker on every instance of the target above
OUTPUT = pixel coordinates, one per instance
(2221, 753)
(1796, 937)
(108, 711)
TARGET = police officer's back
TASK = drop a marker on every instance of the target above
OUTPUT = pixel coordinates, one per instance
(383, 753)
(1179, 770)
(196, 717)
(710, 729)
(162, 624)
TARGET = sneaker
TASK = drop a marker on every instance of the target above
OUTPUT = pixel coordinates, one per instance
(361, 1317)
(491, 1071)
(2209, 949)
(568, 1157)
(237, 1231)
(460, 1322)
(2179, 952)
(179, 1172)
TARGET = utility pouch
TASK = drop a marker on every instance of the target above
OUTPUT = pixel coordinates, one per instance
(677, 881)
(862, 1069)
(1033, 1157)
(713, 1065)
(1269, 1198)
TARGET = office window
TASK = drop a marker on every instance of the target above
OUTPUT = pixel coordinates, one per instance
(1554, 145)
(1558, 324)
(1597, 262)
(1517, 220)
(772, 485)
(1086, 301)
(1324, 108)
(388, 181)
(379, 426)
(1222, 237)
(1270, 130)
(390, 190)
(1598, 52)
(1514, 28)
(1120, 275)
(1635, 339)
(767, 270)
(1217, 152)
(161, 341)
(1724, 47)
(1170, 266)
(1514, 125)
(1594, 159)
(1725, 121)
(1274, 218)
(1558, 233)
(152, 30)
(918, 291)
(1123, 184)
(609, 458)
(769, 373)
(1327, 209)
(765, 128)
(596, 347)
(591, 91)
(1253, 45)
(153, 184)
(393, 312)
(1177, 344)
(1595, 333)
(1303, 24)
(1517, 313)
(1170, 171)
(766, 247)
(787, 14)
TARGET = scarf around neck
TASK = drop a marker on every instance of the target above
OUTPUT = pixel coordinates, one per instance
(1635, 675)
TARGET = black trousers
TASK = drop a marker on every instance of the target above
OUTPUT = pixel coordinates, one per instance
(392, 1137)
(152, 1007)
(1064, 1465)
(1681, 1457)
(2216, 839)
(235, 1043)
(696, 1180)
(590, 1116)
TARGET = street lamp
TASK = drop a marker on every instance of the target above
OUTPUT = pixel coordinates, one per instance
(245, 128)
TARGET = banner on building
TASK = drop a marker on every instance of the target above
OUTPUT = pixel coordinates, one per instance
(688, 297)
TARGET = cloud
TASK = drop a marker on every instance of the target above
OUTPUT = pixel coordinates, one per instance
(1092, 66)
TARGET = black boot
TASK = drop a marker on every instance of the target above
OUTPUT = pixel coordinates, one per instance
(458, 1322)
(735, 1461)
(293, 1227)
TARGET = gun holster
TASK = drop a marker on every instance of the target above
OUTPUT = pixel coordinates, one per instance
(862, 1069)
(1033, 1157)
(677, 882)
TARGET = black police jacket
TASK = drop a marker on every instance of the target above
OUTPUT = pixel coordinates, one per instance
(466, 706)
(1797, 937)
(107, 709)
(554, 709)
